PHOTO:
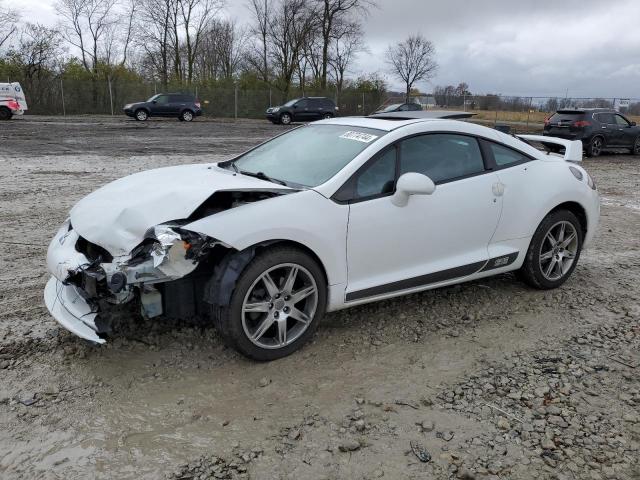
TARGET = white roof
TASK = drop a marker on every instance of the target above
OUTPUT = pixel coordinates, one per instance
(366, 122)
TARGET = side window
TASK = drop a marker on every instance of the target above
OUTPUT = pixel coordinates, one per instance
(505, 156)
(378, 177)
(304, 103)
(175, 98)
(606, 118)
(162, 99)
(440, 156)
(403, 108)
(415, 107)
(375, 179)
(621, 121)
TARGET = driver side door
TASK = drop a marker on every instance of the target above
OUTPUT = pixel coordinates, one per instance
(434, 238)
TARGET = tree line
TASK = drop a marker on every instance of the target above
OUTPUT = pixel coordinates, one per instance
(288, 45)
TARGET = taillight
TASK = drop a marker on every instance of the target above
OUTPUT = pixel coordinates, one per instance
(13, 105)
(198, 104)
(547, 121)
(581, 123)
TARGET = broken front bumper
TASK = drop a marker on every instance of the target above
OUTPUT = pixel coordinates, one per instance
(71, 310)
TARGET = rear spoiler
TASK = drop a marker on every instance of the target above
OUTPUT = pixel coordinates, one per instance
(572, 148)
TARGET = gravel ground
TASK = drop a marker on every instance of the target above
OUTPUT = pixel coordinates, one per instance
(488, 379)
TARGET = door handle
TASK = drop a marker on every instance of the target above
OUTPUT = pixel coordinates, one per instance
(498, 189)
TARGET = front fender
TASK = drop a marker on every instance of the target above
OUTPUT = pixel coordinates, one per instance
(304, 217)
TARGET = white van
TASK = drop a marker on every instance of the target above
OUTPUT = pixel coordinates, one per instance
(12, 100)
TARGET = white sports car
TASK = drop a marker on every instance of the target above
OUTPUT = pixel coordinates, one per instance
(325, 216)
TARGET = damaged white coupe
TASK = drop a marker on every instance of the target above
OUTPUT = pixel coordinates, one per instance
(325, 216)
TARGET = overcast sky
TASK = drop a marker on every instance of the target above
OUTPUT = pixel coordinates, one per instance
(514, 47)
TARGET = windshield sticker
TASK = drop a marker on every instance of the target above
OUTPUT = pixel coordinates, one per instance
(359, 136)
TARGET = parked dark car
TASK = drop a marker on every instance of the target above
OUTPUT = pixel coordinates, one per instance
(597, 128)
(304, 109)
(399, 107)
(182, 106)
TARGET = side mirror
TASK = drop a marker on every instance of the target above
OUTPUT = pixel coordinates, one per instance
(295, 105)
(154, 102)
(412, 183)
(633, 124)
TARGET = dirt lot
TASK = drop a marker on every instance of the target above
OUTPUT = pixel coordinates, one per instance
(491, 378)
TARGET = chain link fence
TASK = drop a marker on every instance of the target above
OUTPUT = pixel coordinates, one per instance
(75, 97)
(63, 96)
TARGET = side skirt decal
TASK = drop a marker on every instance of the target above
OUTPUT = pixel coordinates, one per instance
(435, 277)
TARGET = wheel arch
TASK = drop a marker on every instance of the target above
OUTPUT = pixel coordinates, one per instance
(578, 210)
(220, 287)
(293, 244)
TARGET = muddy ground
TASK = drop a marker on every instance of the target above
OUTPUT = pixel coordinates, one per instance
(491, 379)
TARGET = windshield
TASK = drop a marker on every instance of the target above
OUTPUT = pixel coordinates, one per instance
(309, 155)
(290, 103)
(153, 98)
(390, 108)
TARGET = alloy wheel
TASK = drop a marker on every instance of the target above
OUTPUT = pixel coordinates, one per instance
(141, 115)
(596, 146)
(279, 306)
(187, 116)
(558, 250)
(285, 119)
(636, 147)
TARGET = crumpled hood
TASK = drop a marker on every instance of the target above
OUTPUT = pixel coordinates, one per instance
(117, 215)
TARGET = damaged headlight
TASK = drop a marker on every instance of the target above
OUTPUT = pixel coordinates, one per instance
(174, 252)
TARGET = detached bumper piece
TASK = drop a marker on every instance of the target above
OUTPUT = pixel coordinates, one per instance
(71, 310)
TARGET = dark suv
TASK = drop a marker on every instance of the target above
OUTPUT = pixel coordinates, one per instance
(183, 106)
(597, 128)
(304, 109)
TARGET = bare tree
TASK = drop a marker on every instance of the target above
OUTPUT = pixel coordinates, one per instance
(155, 19)
(289, 30)
(38, 50)
(195, 14)
(223, 49)
(262, 13)
(8, 23)
(347, 44)
(332, 13)
(87, 24)
(412, 60)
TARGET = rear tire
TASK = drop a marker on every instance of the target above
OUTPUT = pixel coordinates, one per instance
(594, 149)
(554, 251)
(635, 150)
(265, 322)
(186, 116)
(141, 115)
(327, 116)
(5, 113)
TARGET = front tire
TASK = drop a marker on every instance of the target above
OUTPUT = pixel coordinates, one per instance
(141, 115)
(554, 251)
(594, 149)
(276, 305)
(285, 119)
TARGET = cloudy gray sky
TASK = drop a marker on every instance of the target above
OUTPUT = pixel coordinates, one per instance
(514, 47)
